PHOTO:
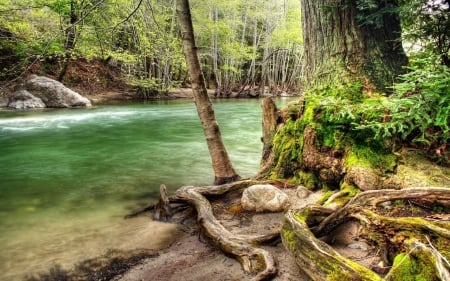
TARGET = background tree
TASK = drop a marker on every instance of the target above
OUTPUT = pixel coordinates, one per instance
(223, 168)
(239, 46)
(426, 26)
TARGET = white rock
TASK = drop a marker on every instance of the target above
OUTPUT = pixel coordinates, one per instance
(54, 93)
(264, 197)
(22, 99)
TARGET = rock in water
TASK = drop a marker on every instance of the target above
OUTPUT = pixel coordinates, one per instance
(54, 93)
(264, 197)
(23, 99)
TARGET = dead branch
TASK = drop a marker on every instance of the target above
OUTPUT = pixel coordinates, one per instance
(163, 210)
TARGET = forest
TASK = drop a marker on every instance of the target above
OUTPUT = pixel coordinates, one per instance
(363, 140)
(242, 46)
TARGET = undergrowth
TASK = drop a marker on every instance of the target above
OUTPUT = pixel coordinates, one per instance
(416, 114)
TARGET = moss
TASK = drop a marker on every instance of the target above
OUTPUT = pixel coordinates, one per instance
(288, 143)
(307, 179)
(353, 91)
(371, 156)
(349, 189)
(331, 136)
(260, 263)
(339, 275)
(289, 237)
(417, 266)
(443, 245)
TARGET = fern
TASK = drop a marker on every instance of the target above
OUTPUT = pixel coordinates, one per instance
(417, 113)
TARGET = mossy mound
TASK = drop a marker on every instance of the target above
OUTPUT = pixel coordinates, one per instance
(319, 144)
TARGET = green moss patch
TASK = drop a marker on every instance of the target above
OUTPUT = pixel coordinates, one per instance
(413, 267)
(375, 157)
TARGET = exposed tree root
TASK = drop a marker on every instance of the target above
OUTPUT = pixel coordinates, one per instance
(240, 246)
(252, 258)
(402, 234)
(301, 230)
(372, 198)
(316, 258)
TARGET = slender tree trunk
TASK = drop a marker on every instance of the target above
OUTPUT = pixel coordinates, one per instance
(341, 48)
(71, 34)
(223, 168)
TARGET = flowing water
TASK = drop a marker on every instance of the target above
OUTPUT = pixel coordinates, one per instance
(67, 177)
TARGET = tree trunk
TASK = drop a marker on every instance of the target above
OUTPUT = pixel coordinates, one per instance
(71, 34)
(269, 127)
(342, 46)
(223, 168)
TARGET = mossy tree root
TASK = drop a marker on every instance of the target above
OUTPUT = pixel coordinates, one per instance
(409, 236)
(316, 258)
(242, 247)
(372, 198)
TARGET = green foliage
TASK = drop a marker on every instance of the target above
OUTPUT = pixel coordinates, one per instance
(143, 37)
(419, 110)
(426, 25)
(418, 113)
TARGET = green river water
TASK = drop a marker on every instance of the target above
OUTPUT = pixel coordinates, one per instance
(67, 177)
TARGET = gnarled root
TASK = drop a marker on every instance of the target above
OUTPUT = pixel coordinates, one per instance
(316, 258)
(409, 238)
(252, 258)
(240, 246)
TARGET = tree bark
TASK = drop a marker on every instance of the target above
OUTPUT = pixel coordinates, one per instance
(340, 47)
(223, 168)
(316, 258)
(269, 127)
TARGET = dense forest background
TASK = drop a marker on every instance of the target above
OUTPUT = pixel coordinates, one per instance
(242, 45)
(246, 48)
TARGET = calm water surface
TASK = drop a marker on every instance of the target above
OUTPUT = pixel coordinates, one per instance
(67, 177)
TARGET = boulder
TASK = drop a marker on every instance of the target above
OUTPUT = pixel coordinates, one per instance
(22, 99)
(264, 197)
(54, 93)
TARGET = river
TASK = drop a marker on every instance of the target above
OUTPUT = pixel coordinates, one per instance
(68, 176)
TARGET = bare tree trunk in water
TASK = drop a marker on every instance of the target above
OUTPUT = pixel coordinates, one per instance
(223, 168)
